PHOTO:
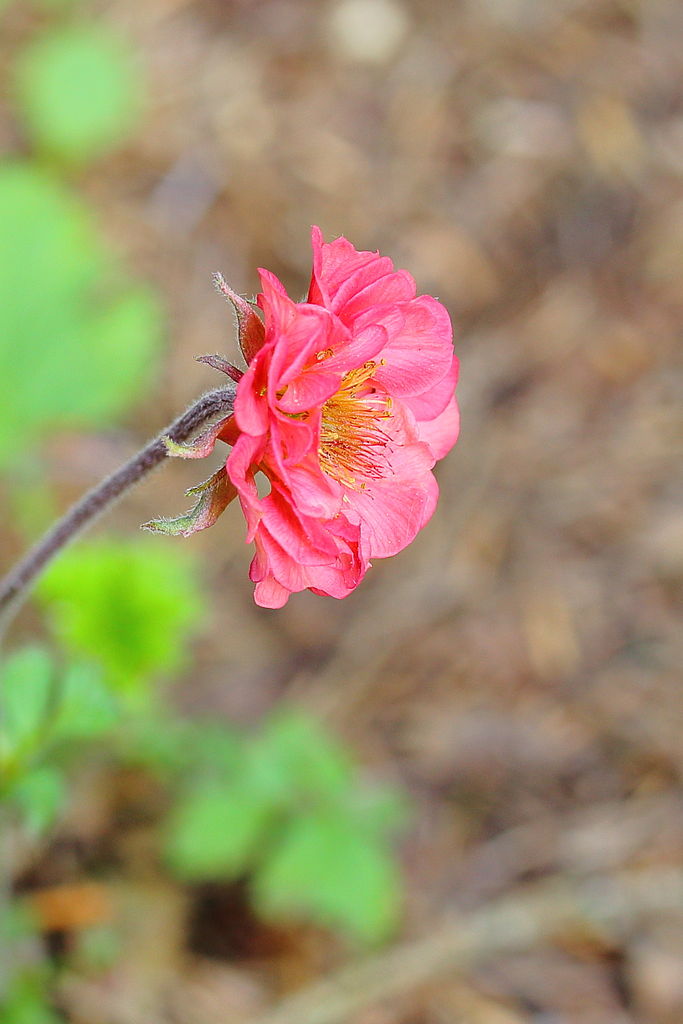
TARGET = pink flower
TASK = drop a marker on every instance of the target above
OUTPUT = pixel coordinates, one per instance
(346, 405)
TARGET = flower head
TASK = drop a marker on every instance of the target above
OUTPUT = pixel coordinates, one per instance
(346, 404)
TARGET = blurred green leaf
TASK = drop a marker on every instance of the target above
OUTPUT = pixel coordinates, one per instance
(326, 868)
(215, 748)
(168, 746)
(78, 90)
(85, 707)
(127, 605)
(157, 742)
(25, 692)
(39, 796)
(25, 1000)
(98, 947)
(58, 5)
(26, 1003)
(295, 758)
(75, 348)
(216, 831)
(48, 5)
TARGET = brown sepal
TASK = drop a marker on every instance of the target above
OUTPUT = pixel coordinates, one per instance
(250, 329)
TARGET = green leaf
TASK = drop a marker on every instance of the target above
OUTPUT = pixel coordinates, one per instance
(98, 948)
(67, 358)
(216, 831)
(86, 707)
(25, 692)
(168, 746)
(78, 90)
(39, 796)
(215, 749)
(159, 743)
(327, 870)
(295, 758)
(27, 1002)
(127, 606)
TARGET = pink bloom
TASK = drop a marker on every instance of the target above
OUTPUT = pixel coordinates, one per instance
(347, 403)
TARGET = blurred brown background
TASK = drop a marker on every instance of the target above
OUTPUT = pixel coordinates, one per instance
(518, 668)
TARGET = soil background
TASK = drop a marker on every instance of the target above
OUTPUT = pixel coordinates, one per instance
(517, 669)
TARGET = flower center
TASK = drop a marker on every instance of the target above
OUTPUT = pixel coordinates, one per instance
(351, 434)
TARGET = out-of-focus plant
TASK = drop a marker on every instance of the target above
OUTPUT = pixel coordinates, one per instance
(44, 710)
(78, 338)
(123, 614)
(125, 605)
(26, 996)
(77, 343)
(287, 808)
(77, 91)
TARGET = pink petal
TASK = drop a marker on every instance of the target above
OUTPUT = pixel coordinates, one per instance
(395, 287)
(391, 512)
(314, 493)
(333, 263)
(304, 539)
(356, 349)
(251, 406)
(273, 564)
(293, 440)
(441, 433)
(309, 391)
(271, 285)
(241, 466)
(349, 281)
(308, 330)
(432, 402)
(420, 353)
(271, 594)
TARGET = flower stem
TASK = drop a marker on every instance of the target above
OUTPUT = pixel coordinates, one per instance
(15, 586)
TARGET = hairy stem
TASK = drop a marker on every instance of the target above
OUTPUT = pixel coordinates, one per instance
(15, 586)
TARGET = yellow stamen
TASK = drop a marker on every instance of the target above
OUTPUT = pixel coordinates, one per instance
(351, 440)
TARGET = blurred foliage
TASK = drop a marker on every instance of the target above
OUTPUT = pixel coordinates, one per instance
(46, 5)
(43, 710)
(77, 344)
(78, 339)
(77, 91)
(26, 1001)
(287, 808)
(127, 606)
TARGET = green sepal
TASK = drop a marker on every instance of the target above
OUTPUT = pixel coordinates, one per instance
(215, 494)
(200, 446)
